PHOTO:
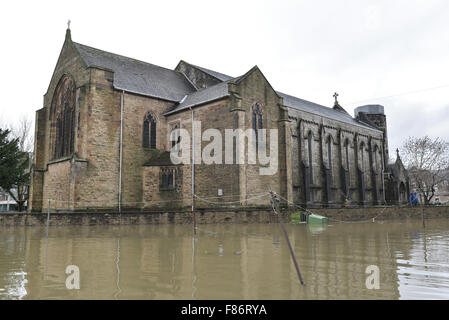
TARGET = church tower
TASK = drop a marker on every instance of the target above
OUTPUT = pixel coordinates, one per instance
(374, 115)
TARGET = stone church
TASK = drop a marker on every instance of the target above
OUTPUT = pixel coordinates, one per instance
(102, 140)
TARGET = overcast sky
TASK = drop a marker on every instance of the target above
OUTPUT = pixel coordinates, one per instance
(366, 50)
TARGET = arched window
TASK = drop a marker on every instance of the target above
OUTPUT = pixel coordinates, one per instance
(347, 154)
(62, 118)
(362, 156)
(257, 120)
(149, 132)
(310, 151)
(375, 164)
(57, 142)
(329, 153)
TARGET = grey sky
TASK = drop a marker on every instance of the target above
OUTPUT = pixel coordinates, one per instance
(361, 49)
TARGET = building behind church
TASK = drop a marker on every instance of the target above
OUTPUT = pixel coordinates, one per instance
(102, 140)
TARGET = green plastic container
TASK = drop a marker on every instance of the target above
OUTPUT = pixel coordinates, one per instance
(317, 219)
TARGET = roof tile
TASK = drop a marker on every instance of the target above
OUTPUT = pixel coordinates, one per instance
(137, 76)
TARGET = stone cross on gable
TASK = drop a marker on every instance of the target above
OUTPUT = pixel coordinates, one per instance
(335, 96)
(68, 24)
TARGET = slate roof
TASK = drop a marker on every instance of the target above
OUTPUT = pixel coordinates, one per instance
(220, 90)
(163, 159)
(311, 107)
(150, 80)
(136, 76)
(215, 74)
(211, 93)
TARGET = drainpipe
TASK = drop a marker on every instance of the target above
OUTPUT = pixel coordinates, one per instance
(121, 153)
(193, 174)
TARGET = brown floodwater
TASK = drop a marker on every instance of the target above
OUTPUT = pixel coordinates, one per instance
(233, 261)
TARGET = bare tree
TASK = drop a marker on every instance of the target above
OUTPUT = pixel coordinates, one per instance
(427, 162)
(24, 131)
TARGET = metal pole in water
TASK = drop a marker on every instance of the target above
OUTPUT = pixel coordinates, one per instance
(193, 174)
(286, 238)
(194, 288)
(48, 215)
(122, 99)
(117, 261)
(46, 239)
(422, 211)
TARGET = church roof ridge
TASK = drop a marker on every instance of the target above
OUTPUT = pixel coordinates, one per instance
(148, 79)
(138, 76)
(209, 94)
(318, 109)
(217, 75)
(203, 96)
(120, 56)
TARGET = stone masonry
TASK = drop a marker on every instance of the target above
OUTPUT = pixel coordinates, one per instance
(325, 157)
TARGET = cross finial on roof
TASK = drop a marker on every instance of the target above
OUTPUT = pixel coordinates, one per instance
(397, 152)
(335, 96)
(68, 35)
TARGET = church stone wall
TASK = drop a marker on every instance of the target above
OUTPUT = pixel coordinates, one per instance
(134, 155)
(154, 196)
(37, 171)
(209, 177)
(255, 89)
(97, 184)
(70, 64)
(90, 177)
(57, 185)
(334, 194)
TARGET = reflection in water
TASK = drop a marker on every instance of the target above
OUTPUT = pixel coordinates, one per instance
(193, 268)
(316, 228)
(226, 261)
(118, 270)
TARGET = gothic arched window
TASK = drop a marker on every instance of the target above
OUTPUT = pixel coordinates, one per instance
(62, 118)
(362, 156)
(149, 132)
(347, 154)
(375, 164)
(310, 151)
(257, 122)
(329, 153)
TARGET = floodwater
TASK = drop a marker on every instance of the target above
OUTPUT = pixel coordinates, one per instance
(233, 261)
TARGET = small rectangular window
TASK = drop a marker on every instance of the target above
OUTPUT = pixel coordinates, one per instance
(167, 177)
